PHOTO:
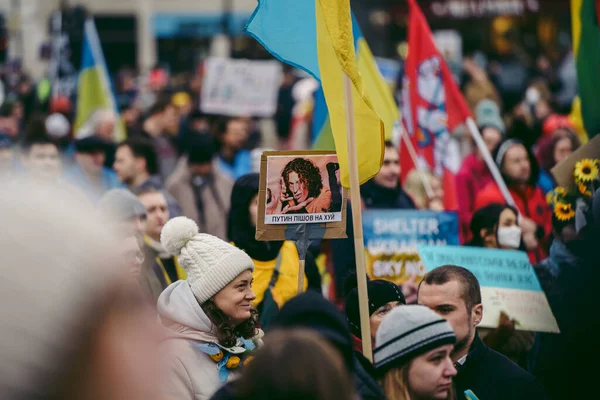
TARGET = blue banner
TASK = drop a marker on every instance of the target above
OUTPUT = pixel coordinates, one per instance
(392, 236)
(507, 281)
(506, 269)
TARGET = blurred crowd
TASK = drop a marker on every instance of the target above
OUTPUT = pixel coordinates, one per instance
(106, 234)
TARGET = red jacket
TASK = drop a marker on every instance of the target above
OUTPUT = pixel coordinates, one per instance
(531, 204)
(472, 177)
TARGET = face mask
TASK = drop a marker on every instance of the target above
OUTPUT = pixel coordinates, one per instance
(509, 236)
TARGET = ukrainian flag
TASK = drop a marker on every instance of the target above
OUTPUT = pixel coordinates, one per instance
(586, 50)
(94, 90)
(378, 89)
(318, 37)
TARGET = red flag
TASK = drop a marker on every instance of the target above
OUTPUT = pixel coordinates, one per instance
(433, 107)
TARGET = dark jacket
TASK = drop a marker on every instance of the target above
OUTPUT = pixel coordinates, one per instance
(375, 196)
(342, 250)
(491, 376)
(365, 377)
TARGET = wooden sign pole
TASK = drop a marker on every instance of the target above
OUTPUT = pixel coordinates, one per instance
(359, 246)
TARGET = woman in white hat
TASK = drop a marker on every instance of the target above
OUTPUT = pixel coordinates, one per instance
(211, 325)
(413, 346)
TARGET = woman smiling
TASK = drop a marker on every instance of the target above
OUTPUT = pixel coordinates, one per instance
(210, 323)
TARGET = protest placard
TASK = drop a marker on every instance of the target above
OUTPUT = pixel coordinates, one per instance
(240, 87)
(392, 236)
(508, 284)
(303, 188)
(288, 189)
(300, 198)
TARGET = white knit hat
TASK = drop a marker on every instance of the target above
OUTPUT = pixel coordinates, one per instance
(210, 263)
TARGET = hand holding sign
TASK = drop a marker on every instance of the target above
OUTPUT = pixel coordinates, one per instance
(410, 290)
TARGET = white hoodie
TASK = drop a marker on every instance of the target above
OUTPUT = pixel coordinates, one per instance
(190, 373)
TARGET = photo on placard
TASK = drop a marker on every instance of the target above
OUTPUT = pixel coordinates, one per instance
(301, 187)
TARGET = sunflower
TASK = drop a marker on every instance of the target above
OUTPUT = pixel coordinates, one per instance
(586, 170)
(564, 211)
(556, 196)
(584, 190)
(233, 362)
(560, 191)
(217, 357)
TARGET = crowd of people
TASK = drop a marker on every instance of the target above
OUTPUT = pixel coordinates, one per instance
(107, 235)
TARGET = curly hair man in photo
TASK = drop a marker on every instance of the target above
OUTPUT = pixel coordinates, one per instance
(302, 188)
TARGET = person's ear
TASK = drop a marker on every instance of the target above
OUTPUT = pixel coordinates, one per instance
(477, 314)
(485, 233)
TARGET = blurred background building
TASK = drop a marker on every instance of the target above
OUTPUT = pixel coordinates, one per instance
(179, 33)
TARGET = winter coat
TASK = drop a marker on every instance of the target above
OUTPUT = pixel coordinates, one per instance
(491, 376)
(154, 278)
(472, 177)
(190, 372)
(242, 164)
(373, 197)
(531, 204)
(286, 286)
(214, 198)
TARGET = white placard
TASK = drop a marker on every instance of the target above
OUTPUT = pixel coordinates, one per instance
(240, 87)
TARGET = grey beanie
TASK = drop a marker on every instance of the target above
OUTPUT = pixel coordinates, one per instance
(121, 205)
(407, 332)
(487, 114)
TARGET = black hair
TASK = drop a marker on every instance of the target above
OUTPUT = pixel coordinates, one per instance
(143, 148)
(36, 134)
(487, 218)
(308, 173)
(471, 292)
(159, 106)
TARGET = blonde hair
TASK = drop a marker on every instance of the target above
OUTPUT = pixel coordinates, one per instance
(414, 187)
(395, 384)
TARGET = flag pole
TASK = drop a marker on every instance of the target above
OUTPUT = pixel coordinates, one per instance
(359, 245)
(413, 156)
(487, 157)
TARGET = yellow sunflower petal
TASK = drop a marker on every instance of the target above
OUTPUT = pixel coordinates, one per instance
(217, 357)
(564, 211)
(561, 191)
(233, 362)
(586, 170)
(584, 190)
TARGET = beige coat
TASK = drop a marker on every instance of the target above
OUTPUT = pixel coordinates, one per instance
(216, 203)
(189, 373)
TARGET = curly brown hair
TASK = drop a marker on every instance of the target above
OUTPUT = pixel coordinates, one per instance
(309, 175)
(228, 333)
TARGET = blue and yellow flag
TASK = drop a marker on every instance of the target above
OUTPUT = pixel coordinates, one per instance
(317, 36)
(94, 91)
(378, 89)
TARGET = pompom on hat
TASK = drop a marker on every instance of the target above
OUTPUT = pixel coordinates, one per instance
(210, 263)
